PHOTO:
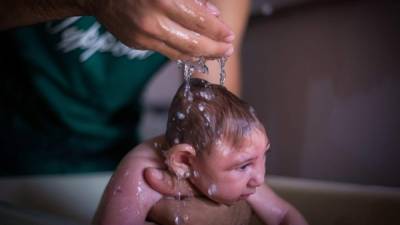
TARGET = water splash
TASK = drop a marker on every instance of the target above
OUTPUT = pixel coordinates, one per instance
(222, 74)
(180, 218)
(189, 68)
(199, 65)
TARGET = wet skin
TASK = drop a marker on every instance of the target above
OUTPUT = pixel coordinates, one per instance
(179, 29)
(227, 174)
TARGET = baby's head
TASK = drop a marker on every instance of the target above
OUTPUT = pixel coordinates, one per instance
(216, 141)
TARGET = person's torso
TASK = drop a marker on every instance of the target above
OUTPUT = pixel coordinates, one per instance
(73, 78)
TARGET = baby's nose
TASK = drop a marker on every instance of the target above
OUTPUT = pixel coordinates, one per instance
(256, 180)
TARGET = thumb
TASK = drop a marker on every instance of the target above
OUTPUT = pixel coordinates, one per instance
(163, 182)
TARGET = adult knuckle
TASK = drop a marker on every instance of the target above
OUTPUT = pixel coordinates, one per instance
(136, 42)
(194, 48)
(219, 34)
(140, 22)
(214, 50)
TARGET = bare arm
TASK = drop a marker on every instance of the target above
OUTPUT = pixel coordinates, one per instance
(273, 210)
(14, 13)
(179, 29)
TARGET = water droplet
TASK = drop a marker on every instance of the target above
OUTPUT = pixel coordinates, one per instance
(251, 109)
(188, 109)
(180, 115)
(139, 190)
(124, 209)
(201, 107)
(212, 190)
(222, 74)
(206, 95)
(208, 119)
(190, 97)
(178, 220)
(117, 190)
(185, 218)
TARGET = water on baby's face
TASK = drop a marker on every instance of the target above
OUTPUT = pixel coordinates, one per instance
(212, 190)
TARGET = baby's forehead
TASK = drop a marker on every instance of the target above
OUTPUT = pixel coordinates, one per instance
(228, 143)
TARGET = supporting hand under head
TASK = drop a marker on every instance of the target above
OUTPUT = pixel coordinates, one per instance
(217, 214)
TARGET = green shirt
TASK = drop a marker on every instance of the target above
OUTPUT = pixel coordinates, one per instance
(73, 97)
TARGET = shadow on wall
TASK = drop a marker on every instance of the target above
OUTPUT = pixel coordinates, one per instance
(325, 79)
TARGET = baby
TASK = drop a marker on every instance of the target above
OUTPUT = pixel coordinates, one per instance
(215, 142)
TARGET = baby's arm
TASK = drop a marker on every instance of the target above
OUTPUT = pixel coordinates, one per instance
(127, 198)
(272, 209)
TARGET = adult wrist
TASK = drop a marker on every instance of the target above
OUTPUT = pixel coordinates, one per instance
(15, 13)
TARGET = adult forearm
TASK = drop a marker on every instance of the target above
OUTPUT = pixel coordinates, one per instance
(273, 210)
(293, 216)
(14, 13)
(200, 211)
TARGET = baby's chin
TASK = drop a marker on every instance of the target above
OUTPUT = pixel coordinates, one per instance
(227, 202)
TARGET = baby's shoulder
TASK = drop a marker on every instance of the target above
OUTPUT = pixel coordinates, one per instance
(145, 154)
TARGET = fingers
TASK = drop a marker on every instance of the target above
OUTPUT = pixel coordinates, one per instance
(162, 182)
(163, 212)
(199, 16)
(192, 43)
(146, 42)
(189, 27)
(179, 29)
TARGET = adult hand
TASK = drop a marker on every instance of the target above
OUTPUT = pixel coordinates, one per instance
(199, 211)
(162, 181)
(195, 207)
(179, 29)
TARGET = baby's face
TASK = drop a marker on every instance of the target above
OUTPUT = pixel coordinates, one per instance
(227, 175)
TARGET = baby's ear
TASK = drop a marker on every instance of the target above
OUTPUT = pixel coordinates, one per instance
(178, 159)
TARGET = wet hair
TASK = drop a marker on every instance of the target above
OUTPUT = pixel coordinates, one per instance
(202, 113)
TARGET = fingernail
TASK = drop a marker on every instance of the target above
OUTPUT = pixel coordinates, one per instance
(213, 9)
(157, 174)
(230, 38)
(229, 52)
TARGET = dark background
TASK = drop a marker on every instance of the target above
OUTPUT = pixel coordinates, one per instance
(324, 77)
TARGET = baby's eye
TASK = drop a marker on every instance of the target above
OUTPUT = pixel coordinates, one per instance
(244, 167)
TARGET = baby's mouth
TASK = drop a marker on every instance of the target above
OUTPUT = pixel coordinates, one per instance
(246, 195)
